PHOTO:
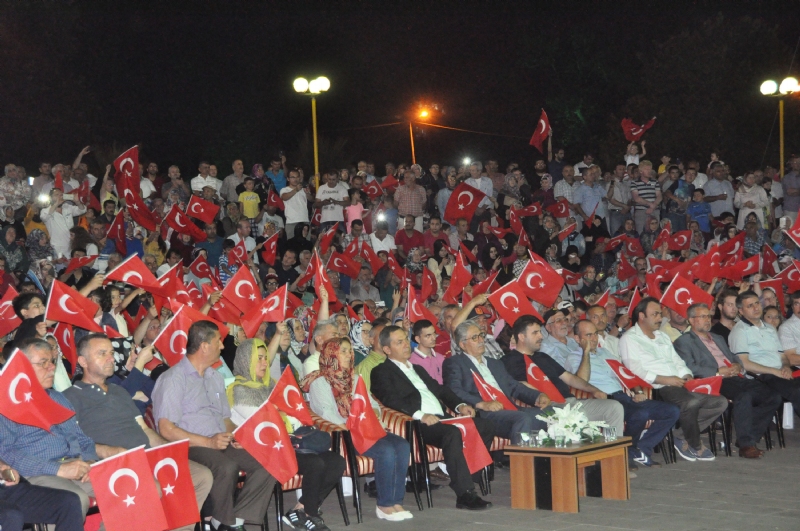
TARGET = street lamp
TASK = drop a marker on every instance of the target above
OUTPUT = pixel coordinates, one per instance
(771, 88)
(313, 88)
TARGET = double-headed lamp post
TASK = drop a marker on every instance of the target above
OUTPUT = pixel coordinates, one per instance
(787, 87)
(312, 88)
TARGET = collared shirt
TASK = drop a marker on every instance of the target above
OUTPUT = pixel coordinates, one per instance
(484, 184)
(432, 364)
(15, 193)
(589, 197)
(227, 189)
(386, 244)
(200, 182)
(58, 225)
(430, 404)
(789, 333)
(601, 376)
(758, 341)
(622, 193)
(561, 352)
(108, 417)
(672, 332)
(35, 452)
(411, 201)
(610, 343)
(192, 402)
(716, 187)
(364, 369)
(715, 351)
(648, 358)
(645, 190)
(363, 239)
(483, 369)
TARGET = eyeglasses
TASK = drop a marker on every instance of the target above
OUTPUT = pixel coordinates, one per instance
(477, 337)
(46, 363)
(272, 283)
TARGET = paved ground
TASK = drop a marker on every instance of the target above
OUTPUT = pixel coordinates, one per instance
(729, 494)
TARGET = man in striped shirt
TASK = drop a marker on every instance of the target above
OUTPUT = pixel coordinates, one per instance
(646, 197)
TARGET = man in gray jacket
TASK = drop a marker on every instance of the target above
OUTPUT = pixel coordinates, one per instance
(706, 355)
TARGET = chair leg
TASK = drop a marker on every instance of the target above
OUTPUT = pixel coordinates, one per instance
(712, 437)
(413, 472)
(727, 430)
(342, 502)
(673, 454)
(779, 427)
(279, 506)
(768, 437)
(426, 473)
(484, 482)
(353, 462)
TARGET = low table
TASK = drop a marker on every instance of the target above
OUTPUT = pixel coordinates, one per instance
(545, 477)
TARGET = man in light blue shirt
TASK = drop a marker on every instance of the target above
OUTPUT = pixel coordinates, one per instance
(591, 195)
(557, 344)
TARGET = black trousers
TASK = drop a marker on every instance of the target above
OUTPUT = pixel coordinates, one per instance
(788, 389)
(32, 504)
(448, 438)
(320, 474)
(252, 501)
(754, 405)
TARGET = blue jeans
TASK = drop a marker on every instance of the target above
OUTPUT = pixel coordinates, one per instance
(391, 455)
(663, 415)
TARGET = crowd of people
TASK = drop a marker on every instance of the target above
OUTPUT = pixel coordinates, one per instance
(605, 234)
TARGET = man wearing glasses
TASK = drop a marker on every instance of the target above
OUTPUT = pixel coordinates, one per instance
(707, 354)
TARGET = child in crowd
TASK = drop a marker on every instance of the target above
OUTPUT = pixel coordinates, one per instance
(226, 269)
(699, 211)
(355, 210)
(249, 201)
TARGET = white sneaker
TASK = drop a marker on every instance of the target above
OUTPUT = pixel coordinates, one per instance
(391, 517)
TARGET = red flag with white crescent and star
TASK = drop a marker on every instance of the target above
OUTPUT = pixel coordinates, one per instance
(769, 266)
(680, 240)
(633, 132)
(543, 130)
(181, 224)
(242, 290)
(23, 399)
(205, 211)
(705, 386)
(365, 428)
(791, 277)
(492, 394)
(270, 252)
(628, 380)
(127, 494)
(742, 268)
(264, 437)
(326, 239)
(132, 271)
(633, 247)
(272, 310)
(541, 283)
(680, 294)
(635, 299)
(116, 233)
(343, 264)
(171, 341)
(538, 379)
(534, 209)
(66, 305)
(460, 279)
(8, 317)
(294, 407)
(65, 337)
(463, 203)
(560, 210)
(564, 233)
(77, 262)
(170, 466)
(514, 221)
(373, 190)
(274, 200)
(793, 233)
(475, 452)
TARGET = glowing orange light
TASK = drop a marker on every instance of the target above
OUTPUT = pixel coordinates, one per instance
(423, 114)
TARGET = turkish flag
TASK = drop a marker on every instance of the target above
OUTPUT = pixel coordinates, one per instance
(311, 269)
(769, 266)
(705, 386)
(625, 270)
(134, 321)
(242, 290)
(570, 278)
(708, 265)
(170, 466)
(181, 224)
(680, 240)
(731, 248)
(542, 132)
(371, 258)
(539, 380)
(680, 294)
(111, 333)
(132, 271)
(663, 237)
(615, 241)
(373, 190)
(280, 398)
(394, 265)
(321, 278)
(343, 264)
(463, 203)
(274, 200)
(8, 317)
(589, 222)
(793, 233)
(489, 393)
(171, 341)
(58, 182)
(270, 252)
(475, 452)
(633, 132)
(272, 310)
(511, 303)
(417, 311)
(541, 283)
(389, 183)
(635, 299)
(429, 284)
(603, 300)
(742, 268)
(467, 253)
(200, 268)
(459, 280)
(365, 428)
(326, 239)
(127, 494)
(78, 262)
(791, 277)
(564, 233)
(316, 218)
(560, 209)
(195, 316)
(628, 380)
(126, 166)
(223, 311)
(23, 399)
(65, 338)
(534, 209)
(136, 207)
(513, 220)
(663, 267)
(238, 254)
(498, 232)
(487, 285)
(652, 282)
(66, 305)
(264, 437)
(205, 211)
(116, 232)
(633, 247)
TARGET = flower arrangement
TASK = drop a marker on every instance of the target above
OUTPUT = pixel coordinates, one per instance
(569, 421)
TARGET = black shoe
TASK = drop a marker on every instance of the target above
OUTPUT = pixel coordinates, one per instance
(371, 489)
(296, 519)
(223, 527)
(473, 502)
(410, 486)
(315, 523)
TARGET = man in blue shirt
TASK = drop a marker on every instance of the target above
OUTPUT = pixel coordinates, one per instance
(591, 195)
(276, 173)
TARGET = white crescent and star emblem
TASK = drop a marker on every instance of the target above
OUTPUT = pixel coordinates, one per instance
(703, 389)
(789, 274)
(62, 302)
(461, 205)
(544, 126)
(118, 474)
(299, 406)
(681, 240)
(749, 266)
(678, 292)
(625, 374)
(176, 334)
(194, 210)
(131, 274)
(122, 166)
(530, 277)
(178, 219)
(4, 308)
(531, 373)
(503, 301)
(266, 424)
(170, 462)
(735, 249)
(239, 284)
(463, 430)
(414, 308)
(338, 262)
(12, 389)
(272, 305)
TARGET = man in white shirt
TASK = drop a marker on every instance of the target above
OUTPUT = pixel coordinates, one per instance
(332, 199)
(649, 354)
(243, 233)
(295, 200)
(381, 240)
(204, 179)
(484, 184)
(362, 289)
(789, 332)
(58, 218)
(565, 188)
(228, 189)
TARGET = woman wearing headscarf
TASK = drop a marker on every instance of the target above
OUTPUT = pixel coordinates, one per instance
(331, 397)
(38, 246)
(649, 234)
(45, 272)
(544, 195)
(251, 388)
(359, 337)
(485, 238)
(414, 263)
(17, 260)
(300, 242)
(441, 262)
(592, 233)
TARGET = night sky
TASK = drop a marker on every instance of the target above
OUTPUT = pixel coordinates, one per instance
(192, 80)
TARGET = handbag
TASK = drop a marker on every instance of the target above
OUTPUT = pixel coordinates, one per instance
(310, 440)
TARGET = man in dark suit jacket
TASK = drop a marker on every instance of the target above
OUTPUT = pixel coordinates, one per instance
(457, 373)
(706, 355)
(409, 388)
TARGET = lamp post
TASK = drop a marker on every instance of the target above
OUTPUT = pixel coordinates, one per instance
(313, 88)
(771, 88)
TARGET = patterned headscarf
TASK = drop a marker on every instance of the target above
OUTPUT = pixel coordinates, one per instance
(37, 251)
(340, 379)
(361, 350)
(248, 390)
(512, 189)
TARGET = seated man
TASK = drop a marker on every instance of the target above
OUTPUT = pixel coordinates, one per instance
(189, 402)
(408, 388)
(599, 408)
(107, 413)
(60, 458)
(707, 354)
(458, 371)
(23, 503)
(638, 410)
(649, 354)
(758, 346)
